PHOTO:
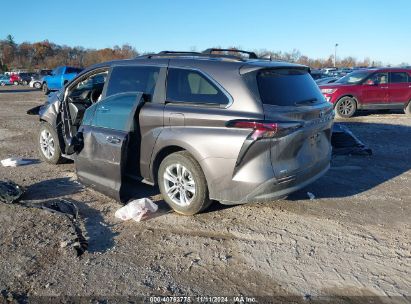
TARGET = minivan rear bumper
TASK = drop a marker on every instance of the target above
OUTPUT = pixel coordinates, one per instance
(274, 188)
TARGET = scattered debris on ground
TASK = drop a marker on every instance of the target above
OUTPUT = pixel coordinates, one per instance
(344, 142)
(310, 196)
(136, 210)
(15, 161)
(10, 192)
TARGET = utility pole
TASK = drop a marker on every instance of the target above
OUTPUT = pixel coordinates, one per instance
(1, 60)
(335, 55)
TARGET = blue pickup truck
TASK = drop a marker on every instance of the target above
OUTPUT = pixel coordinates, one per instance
(58, 78)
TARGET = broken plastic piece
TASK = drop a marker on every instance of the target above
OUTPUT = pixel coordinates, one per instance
(310, 195)
(10, 192)
(136, 210)
(344, 142)
(15, 161)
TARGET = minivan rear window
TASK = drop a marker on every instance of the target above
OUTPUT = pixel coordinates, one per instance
(288, 87)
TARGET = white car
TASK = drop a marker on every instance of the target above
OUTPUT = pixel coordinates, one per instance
(36, 83)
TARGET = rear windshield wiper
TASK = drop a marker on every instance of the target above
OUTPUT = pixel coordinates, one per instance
(306, 101)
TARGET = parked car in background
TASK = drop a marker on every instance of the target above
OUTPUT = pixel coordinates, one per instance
(326, 80)
(25, 78)
(328, 70)
(36, 82)
(15, 79)
(4, 80)
(370, 89)
(58, 78)
(44, 72)
(317, 74)
(203, 126)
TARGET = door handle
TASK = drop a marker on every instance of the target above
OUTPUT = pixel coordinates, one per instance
(113, 139)
(384, 87)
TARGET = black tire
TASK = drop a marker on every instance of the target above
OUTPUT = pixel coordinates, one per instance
(200, 200)
(56, 158)
(37, 85)
(25, 82)
(15, 82)
(345, 107)
(2, 84)
(46, 90)
(407, 109)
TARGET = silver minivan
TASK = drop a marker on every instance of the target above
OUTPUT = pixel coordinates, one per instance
(202, 126)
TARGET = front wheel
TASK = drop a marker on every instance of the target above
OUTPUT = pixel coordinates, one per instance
(25, 82)
(37, 85)
(182, 184)
(2, 84)
(15, 82)
(345, 107)
(48, 144)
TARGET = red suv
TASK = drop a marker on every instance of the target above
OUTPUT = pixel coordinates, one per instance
(15, 79)
(371, 89)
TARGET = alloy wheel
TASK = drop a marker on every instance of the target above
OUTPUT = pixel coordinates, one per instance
(47, 144)
(346, 107)
(179, 184)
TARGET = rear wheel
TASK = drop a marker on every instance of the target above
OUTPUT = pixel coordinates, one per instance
(25, 82)
(37, 85)
(182, 184)
(48, 144)
(345, 107)
(2, 84)
(45, 89)
(407, 109)
(15, 82)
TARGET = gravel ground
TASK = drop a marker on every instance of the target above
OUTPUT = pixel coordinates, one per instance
(352, 240)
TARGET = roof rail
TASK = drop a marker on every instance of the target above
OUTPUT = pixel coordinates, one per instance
(177, 53)
(251, 55)
(190, 54)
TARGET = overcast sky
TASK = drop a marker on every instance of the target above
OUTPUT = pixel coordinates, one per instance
(380, 30)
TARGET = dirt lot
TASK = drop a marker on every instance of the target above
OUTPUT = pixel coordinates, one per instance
(352, 240)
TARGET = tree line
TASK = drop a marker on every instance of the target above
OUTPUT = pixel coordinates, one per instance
(46, 54)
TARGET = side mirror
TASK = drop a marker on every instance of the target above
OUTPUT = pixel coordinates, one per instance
(370, 82)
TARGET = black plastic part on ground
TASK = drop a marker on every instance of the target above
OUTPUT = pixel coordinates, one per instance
(344, 142)
(10, 193)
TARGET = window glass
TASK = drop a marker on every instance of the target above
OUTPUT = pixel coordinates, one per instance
(353, 78)
(70, 70)
(58, 71)
(398, 77)
(114, 112)
(93, 84)
(380, 78)
(133, 79)
(191, 86)
(288, 87)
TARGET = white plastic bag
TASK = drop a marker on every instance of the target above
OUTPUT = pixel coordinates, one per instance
(136, 210)
(14, 162)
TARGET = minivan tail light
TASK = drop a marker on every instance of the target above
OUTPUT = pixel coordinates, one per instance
(265, 129)
(260, 129)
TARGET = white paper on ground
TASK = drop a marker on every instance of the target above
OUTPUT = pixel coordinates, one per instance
(14, 162)
(310, 195)
(136, 210)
